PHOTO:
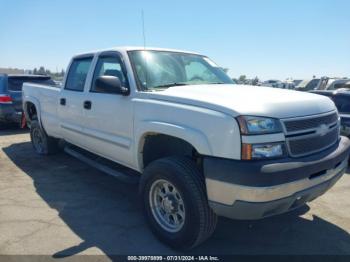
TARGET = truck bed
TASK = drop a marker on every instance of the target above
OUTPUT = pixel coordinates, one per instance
(45, 98)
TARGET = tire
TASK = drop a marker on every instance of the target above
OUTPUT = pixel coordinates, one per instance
(198, 222)
(41, 142)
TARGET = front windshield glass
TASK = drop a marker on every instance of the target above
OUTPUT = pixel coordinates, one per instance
(157, 70)
(308, 84)
(303, 83)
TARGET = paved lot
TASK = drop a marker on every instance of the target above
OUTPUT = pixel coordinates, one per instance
(59, 206)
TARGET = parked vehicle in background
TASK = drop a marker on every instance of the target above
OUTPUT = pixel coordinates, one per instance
(58, 83)
(202, 146)
(333, 83)
(273, 83)
(11, 95)
(308, 84)
(288, 85)
(341, 99)
(296, 82)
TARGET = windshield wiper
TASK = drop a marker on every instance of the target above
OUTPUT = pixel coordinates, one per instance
(169, 85)
(161, 87)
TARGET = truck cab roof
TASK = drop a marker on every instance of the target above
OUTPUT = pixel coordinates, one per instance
(135, 48)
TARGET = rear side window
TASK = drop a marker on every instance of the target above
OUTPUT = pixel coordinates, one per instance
(77, 74)
(16, 83)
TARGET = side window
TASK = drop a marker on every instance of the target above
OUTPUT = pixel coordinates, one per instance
(109, 66)
(77, 74)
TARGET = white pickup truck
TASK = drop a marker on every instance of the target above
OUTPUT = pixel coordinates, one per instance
(203, 147)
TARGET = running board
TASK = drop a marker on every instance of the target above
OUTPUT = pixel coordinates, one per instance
(131, 178)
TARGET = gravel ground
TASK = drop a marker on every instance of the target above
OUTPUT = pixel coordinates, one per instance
(59, 206)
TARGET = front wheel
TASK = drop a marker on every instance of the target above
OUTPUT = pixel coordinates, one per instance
(175, 202)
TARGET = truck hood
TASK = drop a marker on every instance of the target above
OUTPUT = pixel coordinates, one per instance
(248, 100)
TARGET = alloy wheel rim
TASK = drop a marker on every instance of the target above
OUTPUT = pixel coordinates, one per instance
(167, 205)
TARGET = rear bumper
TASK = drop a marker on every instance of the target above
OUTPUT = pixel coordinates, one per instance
(9, 114)
(254, 190)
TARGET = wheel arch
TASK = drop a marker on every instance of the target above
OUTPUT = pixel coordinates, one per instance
(31, 108)
(168, 138)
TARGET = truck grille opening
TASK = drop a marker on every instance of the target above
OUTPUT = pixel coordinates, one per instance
(310, 123)
(310, 135)
(311, 144)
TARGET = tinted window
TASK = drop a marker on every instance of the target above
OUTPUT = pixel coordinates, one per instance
(339, 84)
(109, 66)
(16, 83)
(312, 84)
(78, 72)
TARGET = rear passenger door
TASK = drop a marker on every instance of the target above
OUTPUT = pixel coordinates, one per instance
(71, 101)
(109, 116)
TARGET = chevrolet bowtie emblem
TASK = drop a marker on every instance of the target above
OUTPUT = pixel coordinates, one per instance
(322, 130)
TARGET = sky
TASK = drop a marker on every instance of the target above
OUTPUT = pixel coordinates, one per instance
(271, 39)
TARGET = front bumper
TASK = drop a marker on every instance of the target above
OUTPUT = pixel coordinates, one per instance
(257, 189)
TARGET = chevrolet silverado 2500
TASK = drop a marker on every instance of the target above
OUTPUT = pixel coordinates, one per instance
(203, 147)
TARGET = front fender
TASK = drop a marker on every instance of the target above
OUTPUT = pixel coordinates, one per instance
(193, 136)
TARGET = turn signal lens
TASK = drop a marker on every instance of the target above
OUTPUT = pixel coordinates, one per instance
(262, 151)
(246, 151)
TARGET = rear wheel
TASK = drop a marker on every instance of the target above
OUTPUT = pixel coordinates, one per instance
(175, 202)
(42, 143)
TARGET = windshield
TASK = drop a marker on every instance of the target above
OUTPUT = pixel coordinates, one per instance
(303, 83)
(308, 84)
(156, 70)
(339, 84)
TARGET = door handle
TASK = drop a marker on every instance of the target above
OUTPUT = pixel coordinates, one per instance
(87, 105)
(63, 101)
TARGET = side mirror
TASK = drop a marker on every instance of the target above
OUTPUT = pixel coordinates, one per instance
(110, 85)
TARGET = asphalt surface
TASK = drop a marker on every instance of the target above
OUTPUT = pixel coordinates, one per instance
(58, 206)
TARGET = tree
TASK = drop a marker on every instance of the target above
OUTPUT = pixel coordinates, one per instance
(41, 71)
(35, 71)
(242, 78)
(255, 81)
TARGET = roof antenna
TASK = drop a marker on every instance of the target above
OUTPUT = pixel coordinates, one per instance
(143, 29)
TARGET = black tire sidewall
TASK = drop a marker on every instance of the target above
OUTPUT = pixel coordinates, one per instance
(188, 234)
(35, 126)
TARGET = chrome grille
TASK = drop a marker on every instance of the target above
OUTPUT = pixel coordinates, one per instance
(310, 123)
(305, 145)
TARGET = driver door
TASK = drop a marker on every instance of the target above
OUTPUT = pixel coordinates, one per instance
(108, 122)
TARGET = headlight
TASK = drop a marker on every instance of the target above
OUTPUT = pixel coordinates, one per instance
(262, 151)
(258, 125)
